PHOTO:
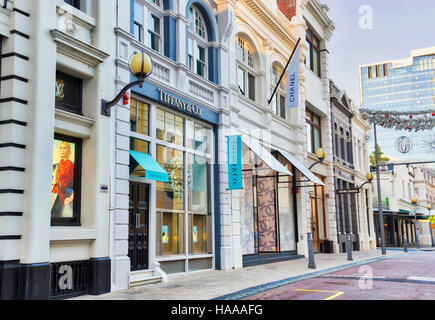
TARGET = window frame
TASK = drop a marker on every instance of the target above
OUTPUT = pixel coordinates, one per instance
(310, 122)
(311, 38)
(65, 105)
(152, 32)
(75, 221)
(196, 41)
(73, 3)
(140, 25)
(278, 103)
(249, 72)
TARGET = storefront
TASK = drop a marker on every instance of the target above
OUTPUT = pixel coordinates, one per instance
(268, 204)
(396, 226)
(172, 183)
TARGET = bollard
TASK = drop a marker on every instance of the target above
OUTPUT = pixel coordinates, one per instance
(311, 262)
(405, 244)
(349, 247)
(417, 237)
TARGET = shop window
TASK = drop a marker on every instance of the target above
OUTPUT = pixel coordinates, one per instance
(198, 137)
(246, 78)
(314, 132)
(170, 195)
(139, 117)
(68, 93)
(370, 73)
(66, 181)
(169, 127)
(198, 173)
(170, 233)
(200, 234)
(313, 53)
(139, 146)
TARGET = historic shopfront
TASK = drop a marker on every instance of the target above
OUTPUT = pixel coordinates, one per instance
(268, 203)
(171, 183)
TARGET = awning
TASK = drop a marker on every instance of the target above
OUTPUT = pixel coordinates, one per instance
(153, 171)
(265, 156)
(303, 169)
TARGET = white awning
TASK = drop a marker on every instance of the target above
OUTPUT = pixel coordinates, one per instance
(304, 170)
(265, 156)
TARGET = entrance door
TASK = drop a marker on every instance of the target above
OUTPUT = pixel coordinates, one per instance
(138, 226)
(315, 225)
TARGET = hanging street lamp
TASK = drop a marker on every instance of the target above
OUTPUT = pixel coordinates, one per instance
(140, 67)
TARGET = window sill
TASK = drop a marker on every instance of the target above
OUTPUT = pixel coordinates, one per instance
(80, 17)
(73, 124)
(71, 233)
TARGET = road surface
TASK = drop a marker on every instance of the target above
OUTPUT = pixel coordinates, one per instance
(405, 277)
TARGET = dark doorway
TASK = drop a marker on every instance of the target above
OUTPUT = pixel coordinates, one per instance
(138, 226)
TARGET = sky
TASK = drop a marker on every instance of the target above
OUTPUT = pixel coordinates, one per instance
(398, 26)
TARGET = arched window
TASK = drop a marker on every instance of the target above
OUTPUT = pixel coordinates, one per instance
(278, 103)
(246, 67)
(197, 43)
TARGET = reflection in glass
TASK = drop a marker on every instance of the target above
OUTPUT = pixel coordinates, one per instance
(170, 195)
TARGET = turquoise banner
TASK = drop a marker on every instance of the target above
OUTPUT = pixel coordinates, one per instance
(235, 177)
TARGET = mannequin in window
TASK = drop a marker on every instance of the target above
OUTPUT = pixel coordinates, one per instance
(63, 184)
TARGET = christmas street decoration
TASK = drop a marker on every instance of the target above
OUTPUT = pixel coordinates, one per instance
(409, 121)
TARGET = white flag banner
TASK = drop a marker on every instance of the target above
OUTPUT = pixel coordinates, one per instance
(292, 98)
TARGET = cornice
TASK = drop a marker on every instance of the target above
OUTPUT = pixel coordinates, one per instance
(270, 19)
(78, 50)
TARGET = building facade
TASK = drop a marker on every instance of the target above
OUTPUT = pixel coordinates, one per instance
(176, 119)
(54, 168)
(402, 85)
(318, 124)
(397, 189)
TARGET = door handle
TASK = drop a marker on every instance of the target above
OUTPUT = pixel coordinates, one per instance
(137, 220)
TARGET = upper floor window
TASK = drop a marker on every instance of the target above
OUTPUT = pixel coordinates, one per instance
(154, 32)
(151, 35)
(245, 68)
(279, 101)
(68, 93)
(74, 3)
(314, 132)
(197, 43)
(197, 24)
(313, 52)
(138, 21)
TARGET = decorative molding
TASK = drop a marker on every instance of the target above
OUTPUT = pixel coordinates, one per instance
(78, 50)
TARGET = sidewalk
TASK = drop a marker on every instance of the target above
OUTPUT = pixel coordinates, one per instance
(211, 284)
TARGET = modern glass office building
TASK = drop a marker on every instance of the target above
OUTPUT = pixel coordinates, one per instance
(402, 85)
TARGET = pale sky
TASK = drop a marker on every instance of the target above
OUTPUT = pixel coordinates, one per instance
(399, 26)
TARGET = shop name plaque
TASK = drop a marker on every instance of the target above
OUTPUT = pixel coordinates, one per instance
(235, 178)
(180, 104)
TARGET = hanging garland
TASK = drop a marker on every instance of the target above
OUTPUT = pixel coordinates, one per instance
(409, 121)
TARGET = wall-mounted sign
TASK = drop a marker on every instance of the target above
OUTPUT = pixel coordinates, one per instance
(235, 180)
(178, 103)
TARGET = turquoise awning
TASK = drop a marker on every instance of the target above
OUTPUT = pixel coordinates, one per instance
(153, 171)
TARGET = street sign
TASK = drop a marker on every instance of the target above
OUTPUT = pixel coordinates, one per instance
(347, 191)
(432, 219)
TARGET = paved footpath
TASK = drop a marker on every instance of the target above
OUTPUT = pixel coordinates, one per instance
(403, 277)
(239, 284)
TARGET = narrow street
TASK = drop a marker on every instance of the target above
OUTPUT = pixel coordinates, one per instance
(404, 277)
